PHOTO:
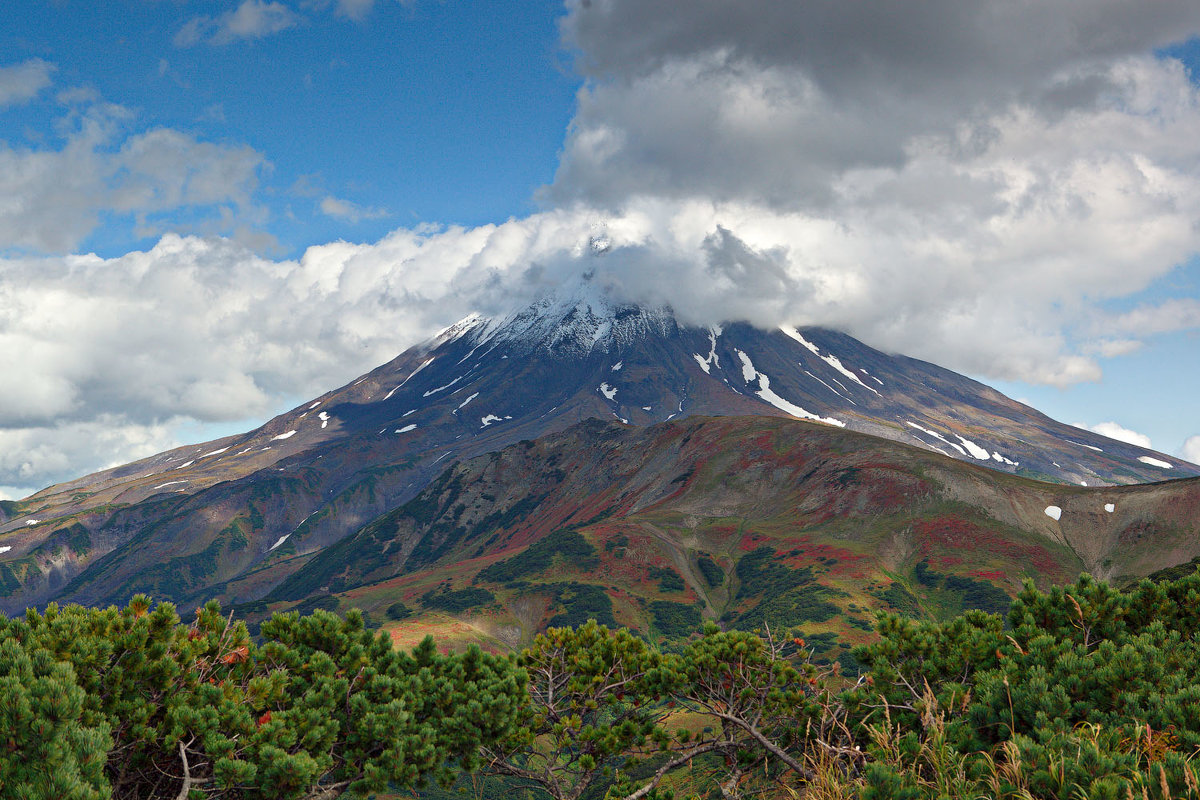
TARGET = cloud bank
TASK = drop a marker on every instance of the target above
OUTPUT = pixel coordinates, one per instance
(972, 183)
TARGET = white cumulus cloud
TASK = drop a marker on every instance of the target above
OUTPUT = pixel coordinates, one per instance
(98, 352)
(52, 197)
(1191, 449)
(1122, 434)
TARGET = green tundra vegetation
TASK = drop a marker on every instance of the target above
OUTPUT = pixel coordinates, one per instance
(1084, 691)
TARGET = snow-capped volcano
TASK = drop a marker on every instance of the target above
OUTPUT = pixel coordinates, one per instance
(647, 368)
(572, 325)
(315, 474)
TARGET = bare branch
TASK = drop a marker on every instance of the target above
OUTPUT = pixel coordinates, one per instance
(328, 792)
(673, 763)
(188, 780)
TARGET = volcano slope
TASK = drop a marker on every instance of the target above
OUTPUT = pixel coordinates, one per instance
(235, 517)
(749, 520)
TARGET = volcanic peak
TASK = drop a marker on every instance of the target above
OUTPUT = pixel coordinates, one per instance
(571, 324)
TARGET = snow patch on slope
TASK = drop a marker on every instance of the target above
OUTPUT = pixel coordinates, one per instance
(939, 437)
(975, 450)
(830, 388)
(967, 447)
(1155, 462)
(1054, 513)
(411, 375)
(712, 360)
(749, 374)
(831, 359)
(443, 388)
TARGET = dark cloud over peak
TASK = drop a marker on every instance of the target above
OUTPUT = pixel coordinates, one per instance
(793, 94)
(909, 46)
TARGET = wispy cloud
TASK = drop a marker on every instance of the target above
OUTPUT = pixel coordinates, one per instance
(22, 82)
(253, 19)
(355, 9)
(351, 212)
(1177, 314)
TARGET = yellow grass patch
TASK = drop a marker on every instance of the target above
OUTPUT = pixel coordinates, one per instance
(450, 634)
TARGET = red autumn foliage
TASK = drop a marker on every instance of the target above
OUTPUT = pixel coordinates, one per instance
(236, 656)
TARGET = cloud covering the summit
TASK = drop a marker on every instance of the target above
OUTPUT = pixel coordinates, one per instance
(971, 182)
(976, 184)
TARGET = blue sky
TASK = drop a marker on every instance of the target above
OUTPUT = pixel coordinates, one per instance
(446, 112)
(211, 211)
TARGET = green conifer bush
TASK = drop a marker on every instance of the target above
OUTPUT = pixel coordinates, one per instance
(132, 703)
(1083, 691)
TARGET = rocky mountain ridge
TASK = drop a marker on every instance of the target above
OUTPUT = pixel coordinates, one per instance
(694, 518)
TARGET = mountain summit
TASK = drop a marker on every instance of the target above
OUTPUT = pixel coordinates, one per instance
(639, 366)
(244, 512)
